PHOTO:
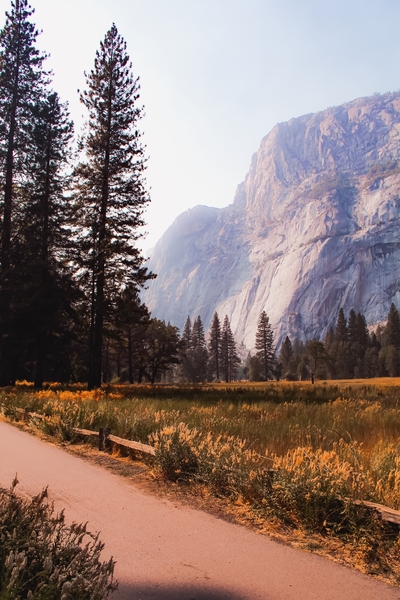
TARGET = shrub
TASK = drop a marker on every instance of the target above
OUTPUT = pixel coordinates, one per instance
(41, 558)
(174, 452)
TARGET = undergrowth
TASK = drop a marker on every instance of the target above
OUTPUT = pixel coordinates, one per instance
(41, 558)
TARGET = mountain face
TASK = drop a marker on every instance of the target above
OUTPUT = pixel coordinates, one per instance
(314, 227)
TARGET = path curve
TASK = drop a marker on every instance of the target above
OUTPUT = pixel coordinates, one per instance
(170, 552)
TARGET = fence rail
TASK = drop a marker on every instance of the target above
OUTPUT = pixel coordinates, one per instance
(105, 437)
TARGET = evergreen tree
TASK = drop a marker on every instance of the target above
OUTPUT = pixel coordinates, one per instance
(229, 357)
(199, 351)
(255, 369)
(111, 190)
(286, 353)
(363, 336)
(198, 337)
(131, 321)
(162, 348)
(186, 359)
(340, 354)
(392, 330)
(45, 290)
(214, 347)
(352, 328)
(21, 82)
(341, 331)
(187, 335)
(317, 357)
(265, 345)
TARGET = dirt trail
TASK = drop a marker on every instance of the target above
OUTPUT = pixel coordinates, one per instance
(169, 552)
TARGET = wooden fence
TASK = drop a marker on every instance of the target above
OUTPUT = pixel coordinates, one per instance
(105, 436)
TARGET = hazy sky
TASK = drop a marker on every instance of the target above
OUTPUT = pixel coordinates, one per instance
(216, 75)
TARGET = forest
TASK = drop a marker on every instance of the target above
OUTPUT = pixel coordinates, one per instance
(71, 212)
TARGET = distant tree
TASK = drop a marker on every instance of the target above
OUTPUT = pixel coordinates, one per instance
(187, 334)
(286, 352)
(229, 358)
(162, 348)
(131, 321)
(21, 83)
(391, 334)
(111, 189)
(199, 351)
(342, 364)
(352, 328)
(341, 331)
(317, 356)
(363, 336)
(214, 347)
(392, 361)
(389, 354)
(265, 345)
(198, 337)
(256, 371)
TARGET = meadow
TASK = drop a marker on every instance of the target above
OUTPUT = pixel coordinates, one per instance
(297, 455)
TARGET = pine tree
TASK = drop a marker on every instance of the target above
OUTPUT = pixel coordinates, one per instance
(342, 363)
(316, 355)
(111, 189)
(45, 289)
(341, 331)
(352, 327)
(391, 334)
(265, 345)
(286, 352)
(162, 346)
(214, 347)
(187, 335)
(229, 357)
(363, 336)
(21, 83)
(198, 337)
(131, 321)
(187, 369)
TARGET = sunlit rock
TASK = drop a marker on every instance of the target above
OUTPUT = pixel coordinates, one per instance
(314, 226)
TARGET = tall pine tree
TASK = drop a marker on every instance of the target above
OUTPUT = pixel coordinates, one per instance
(229, 357)
(265, 345)
(112, 193)
(214, 347)
(21, 84)
(45, 286)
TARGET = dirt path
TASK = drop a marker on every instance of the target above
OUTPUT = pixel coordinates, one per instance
(165, 551)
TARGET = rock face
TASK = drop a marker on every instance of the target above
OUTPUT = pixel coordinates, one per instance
(314, 226)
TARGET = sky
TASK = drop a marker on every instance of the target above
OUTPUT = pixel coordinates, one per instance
(217, 75)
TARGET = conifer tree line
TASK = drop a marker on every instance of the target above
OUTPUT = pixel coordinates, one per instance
(214, 360)
(349, 350)
(70, 271)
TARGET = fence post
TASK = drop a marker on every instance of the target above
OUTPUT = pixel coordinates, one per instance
(103, 438)
(28, 409)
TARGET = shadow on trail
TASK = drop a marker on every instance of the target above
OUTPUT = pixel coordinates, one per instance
(161, 592)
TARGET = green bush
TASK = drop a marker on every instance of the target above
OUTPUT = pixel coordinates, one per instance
(41, 558)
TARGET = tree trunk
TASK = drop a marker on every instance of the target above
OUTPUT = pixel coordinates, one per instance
(130, 356)
(95, 368)
(6, 350)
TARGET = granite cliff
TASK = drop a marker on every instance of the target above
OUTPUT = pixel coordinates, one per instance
(314, 226)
